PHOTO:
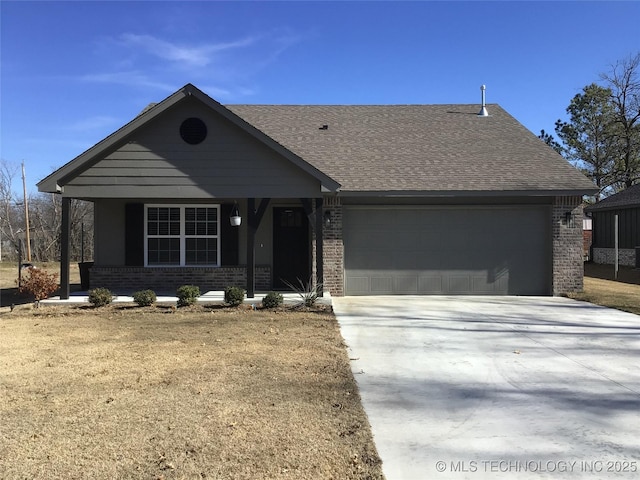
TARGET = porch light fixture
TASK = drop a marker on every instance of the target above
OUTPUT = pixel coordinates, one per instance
(327, 218)
(235, 217)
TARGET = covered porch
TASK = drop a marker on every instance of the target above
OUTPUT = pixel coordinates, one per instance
(278, 242)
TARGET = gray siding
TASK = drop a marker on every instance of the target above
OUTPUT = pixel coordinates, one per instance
(109, 232)
(628, 228)
(156, 163)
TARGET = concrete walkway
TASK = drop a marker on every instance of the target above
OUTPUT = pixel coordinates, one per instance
(497, 387)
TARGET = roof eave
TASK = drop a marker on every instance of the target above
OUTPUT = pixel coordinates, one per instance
(466, 193)
(597, 208)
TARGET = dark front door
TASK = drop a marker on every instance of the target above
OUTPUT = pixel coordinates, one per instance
(291, 260)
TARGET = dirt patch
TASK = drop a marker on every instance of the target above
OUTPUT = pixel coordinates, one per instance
(124, 392)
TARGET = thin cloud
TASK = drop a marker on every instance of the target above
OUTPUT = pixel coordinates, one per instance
(228, 69)
(94, 123)
(130, 78)
(189, 55)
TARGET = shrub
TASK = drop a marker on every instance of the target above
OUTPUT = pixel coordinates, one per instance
(272, 300)
(308, 292)
(233, 296)
(39, 283)
(99, 297)
(187, 295)
(144, 298)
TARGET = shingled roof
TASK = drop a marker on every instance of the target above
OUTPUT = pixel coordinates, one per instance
(627, 198)
(418, 148)
(383, 149)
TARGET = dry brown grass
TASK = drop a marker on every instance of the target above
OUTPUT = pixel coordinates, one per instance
(609, 293)
(207, 392)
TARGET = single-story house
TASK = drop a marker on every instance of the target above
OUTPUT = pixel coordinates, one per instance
(626, 205)
(366, 199)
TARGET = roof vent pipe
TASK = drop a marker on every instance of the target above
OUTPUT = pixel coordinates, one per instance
(483, 111)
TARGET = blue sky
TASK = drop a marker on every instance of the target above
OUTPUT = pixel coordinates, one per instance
(74, 72)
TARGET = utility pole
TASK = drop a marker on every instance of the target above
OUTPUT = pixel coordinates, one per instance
(26, 215)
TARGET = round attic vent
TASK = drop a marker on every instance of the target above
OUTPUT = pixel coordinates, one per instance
(193, 131)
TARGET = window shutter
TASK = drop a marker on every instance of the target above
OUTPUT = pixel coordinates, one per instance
(134, 235)
(229, 237)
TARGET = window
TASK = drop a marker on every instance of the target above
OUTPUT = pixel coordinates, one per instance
(182, 235)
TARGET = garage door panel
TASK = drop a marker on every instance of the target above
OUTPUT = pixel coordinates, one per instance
(458, 284)
(382, 285)
(358, 285)
(430, 284)
(474, 250)
(430, 237)
(405, 284)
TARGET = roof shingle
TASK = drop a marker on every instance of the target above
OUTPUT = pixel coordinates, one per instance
(629, 197)
(417, 148)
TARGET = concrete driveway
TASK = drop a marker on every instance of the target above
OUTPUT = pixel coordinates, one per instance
(497, 387)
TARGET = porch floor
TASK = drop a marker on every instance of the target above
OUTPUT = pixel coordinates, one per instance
(210, 297)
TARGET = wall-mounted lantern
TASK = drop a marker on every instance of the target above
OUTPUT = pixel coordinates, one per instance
(235, 217)
(327, 218)
(569, 219)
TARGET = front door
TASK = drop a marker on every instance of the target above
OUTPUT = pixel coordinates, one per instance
(291, 260)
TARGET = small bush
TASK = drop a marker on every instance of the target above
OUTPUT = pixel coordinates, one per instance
(187, 295)
(145, 298)
(99, 297)
(39, 283)
(308, 292)
(272, 300)
(233, 296)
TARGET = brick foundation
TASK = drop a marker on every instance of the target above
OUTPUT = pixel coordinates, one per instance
(568, 263)
(626, 256)
(168, 279)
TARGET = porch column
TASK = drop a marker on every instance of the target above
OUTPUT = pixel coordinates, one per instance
(251, 248)
(254, 217)
(64, 248)
(319, 246)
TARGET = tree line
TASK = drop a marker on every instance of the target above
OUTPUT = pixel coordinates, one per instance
(45, 219)
(602, 135)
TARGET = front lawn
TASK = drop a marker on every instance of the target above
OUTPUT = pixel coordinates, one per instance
(160, 393)
(609, 293)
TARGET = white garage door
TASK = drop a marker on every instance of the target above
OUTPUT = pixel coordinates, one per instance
(452, 250)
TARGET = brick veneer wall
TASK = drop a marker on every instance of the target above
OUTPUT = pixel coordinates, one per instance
(568, 263)
(168, 279)
(333, 251)
(607, 256)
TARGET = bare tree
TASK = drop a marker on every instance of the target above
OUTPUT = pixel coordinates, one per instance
(45, 213)
(623, 81)
(9, 212)
(46, 219)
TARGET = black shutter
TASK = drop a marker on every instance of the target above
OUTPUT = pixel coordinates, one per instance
(134, 234)
(229, 241)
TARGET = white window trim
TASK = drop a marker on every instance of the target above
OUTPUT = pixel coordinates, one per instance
(183, 236)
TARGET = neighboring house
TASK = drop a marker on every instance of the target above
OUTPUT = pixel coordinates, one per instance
(626, 205)
(369, 199)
